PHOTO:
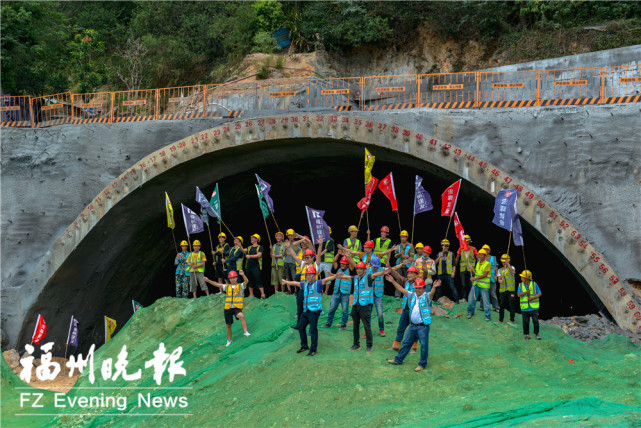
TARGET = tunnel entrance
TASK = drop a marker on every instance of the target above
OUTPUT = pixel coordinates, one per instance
(129, 253)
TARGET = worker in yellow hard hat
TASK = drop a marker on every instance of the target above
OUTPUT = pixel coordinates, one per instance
(446, 270)
(254, 266)
(481, 288)
(404, 256)
(236, 256)
(507, 288)
(529, 294)
(221, 252)
(182, 271)
(278, 252)
(494, 299)
(353, 243)
(466, 260)
(290, 264)
(196, 262)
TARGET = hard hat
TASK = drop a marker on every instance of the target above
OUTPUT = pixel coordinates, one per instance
(482, 251)
(418, 245)
(385, 229)
(257, 236)
(427, 249)
(290, 232)
(369, 244)
(412, 269)
(344, 260)
(486, 248)
(308, 253)
(280, 233)
(184, 244)
(360, 265)
(197, 242)
(505, 257)
(330, 230)
(240, 238)
(467, 238)
(526, 274)
(222, 235)
(310, 270)
(375, 261)
(404, 233)
(352, 229)
(232, 274)
(419, 283)
(445, 242)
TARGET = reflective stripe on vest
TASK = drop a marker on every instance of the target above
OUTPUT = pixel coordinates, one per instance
(467, 260)
(424, 306)
(313, 300)
(448, 264)
(525, 304)
(239, 260)
(404, 252)
(183, 264)
(235, 295)
(419, 264)
(379, 282)
(363, 292)
(409, 286)
(279, 248)
(492, 267)
(303, 269)
(342, 286)
(328, 257)
(198, 259)
(260, 260)
(300, 257)
(382, 248)
(480, 270)
(508, 280)
(354, 247)
(367, 259)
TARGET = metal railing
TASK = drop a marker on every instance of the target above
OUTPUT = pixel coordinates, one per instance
(486, 89)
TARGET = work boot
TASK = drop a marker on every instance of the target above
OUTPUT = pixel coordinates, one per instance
(396, 346)
(355, 348)
(469, 316)
(538, 337)
(394, 362)
(302, 349)
(326, 326)
(368, 349)
(342, 328)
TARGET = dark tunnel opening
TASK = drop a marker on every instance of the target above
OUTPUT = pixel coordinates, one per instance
(129, 254)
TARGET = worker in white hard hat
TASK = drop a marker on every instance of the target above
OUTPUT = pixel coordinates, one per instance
(182, 271)
(196, 262)
(529, 294)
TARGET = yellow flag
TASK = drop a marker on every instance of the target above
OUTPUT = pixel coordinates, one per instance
(110, 327)
(369, 164)
(170, 212)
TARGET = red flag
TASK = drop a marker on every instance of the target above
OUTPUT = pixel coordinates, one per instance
(449, 198)
(460, 233)
(387, 187)
(363, 204)
(40, 331)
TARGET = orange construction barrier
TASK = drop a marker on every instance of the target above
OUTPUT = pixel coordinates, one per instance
(89, 108)
(571, 86)
(390, 92)
(507, 89)
(15, 111)
(621, 84)
(448, 90)
(134, 106)
(342, 94)
(184, 102)
(51, 110)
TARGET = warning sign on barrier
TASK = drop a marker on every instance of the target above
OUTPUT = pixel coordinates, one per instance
(334, 91)
(91, 105)
(282, 94)
(571, 83)
(447, 87)
(134, 103)
(508, 85)
(180, 99)
(9, 108)
(391, 89)
(51, 107)
(630, 79)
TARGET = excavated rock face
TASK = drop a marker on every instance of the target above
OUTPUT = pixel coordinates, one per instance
(590, 327)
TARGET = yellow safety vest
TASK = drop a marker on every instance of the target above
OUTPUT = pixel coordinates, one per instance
(381, 248)
(300, 257)
(448, 264)
(303, 269)
(198, 260)
(525, 303)
(508, 280)
(234, 295)
(239, 260)
(467, 260)
(480, 270)
(354, 246)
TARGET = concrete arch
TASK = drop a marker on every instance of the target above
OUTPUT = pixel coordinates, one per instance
(552, 226)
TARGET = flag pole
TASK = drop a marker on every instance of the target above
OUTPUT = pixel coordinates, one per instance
(523, 249)
(277, 226)
(413, 217)
(269, 238)
(174, 236)
(228, 230)
(509, 239)
(398, 216)
(448, 225)
(359, 222)
(211, 243)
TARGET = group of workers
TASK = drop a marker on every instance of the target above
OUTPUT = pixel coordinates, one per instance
(358, 272)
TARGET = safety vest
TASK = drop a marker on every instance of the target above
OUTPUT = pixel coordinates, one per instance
(260, 260)
(382, 248)
(448, 264)
(424, 306)
(355, 246)
(239, 261)
(342, 286)
(525, 304)
(223, 249)
(329, 257)
(197, 260)
(492, 268)
(409, 286)
(466, 260)
(182, 268)
(279, 248)
(313, 300)
(404, 251)
(508, 280)
(303, 268)
(481, 267)
(366, 259)
(234, 295)
(363, 291)
(300, 256)
(418, 262)
(379, 282)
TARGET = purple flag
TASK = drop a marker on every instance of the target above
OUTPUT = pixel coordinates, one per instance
(517, 231)
(317, 225)
(265, 187)
(193, 223)
(505, 208)
(72, 337)
(422, 199)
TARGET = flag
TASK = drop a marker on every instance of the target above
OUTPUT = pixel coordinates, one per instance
(363, 204)
(505, 208)
(261, 201)
(460, 233)
(369, 164)
(72, 336)
(215, 203)
(265, 187)
(170, 212)
(40, 332)
(205, 208)
(422, 199)
(449, 198)
(317, 225)
(193, 223)
(387, 187)
(110, 327)
(136, 305)
(517, 231)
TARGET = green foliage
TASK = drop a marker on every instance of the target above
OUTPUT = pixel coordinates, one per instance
(265, 42)
(280, 62)
(84, 52)
(269, 16)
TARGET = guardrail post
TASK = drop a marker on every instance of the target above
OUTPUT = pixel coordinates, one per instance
(418, 89)
(204, 100)
(477, 94)
(33, 122)
(603, 91)
(157, 110)
(113, 107)
(539, 91)
(362, 96)
(72, 109)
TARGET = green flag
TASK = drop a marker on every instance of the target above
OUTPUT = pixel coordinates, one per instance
(215, 203)
(263, 204)
(136, 305)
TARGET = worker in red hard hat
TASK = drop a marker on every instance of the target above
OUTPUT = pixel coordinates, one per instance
(363, 285)
(404, 255)
(234, 301)
(342, 290)
(381, 245)
(420, 304)
(424, 262)
(309, 260)
(312, 308)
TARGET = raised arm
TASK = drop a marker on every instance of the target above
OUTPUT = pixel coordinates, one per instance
(242, 273)
(328, 279)
(286, 282)
(291, 252)
(384, 253)
(396, 284)
(214, 283)
(436, 284)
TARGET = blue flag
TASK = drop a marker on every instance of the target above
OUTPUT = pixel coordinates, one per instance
(517, 231)
(505, 208)
(422, 199)
(72, 336)
(193, 223)
(317, 225)
(265, 187)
